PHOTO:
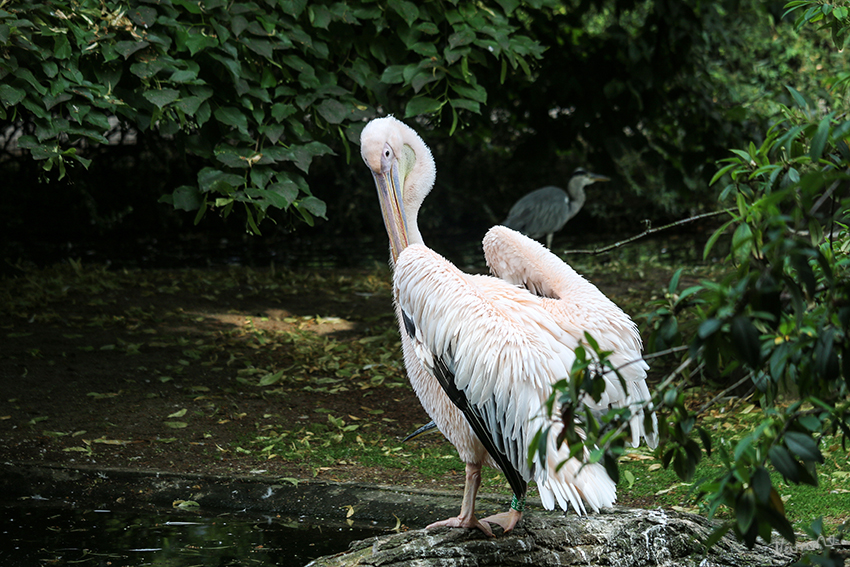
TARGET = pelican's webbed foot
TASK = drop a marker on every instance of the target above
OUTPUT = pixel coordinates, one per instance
(508, 520)
(461, 522)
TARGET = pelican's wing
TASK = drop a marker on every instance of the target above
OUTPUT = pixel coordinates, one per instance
(495, 353)
(577, 305)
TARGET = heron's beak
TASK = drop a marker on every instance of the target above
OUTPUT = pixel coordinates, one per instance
(390, 188)
(595, 177)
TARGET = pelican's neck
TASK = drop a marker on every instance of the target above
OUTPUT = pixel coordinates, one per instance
(418, 182)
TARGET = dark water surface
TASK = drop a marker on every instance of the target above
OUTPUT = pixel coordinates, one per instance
(46, 533)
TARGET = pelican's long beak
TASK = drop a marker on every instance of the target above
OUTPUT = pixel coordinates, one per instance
(390, 187)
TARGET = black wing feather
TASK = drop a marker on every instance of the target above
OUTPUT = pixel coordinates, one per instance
(476, 420)
(443, 371)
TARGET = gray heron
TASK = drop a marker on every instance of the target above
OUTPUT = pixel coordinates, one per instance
(545, 211)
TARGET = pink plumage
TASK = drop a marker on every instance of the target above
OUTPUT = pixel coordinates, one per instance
(482, 352)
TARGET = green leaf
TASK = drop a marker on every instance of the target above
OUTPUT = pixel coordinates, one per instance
(232, 117)
(393, 74)
(745, 510)
(802, 445)
(27, 75)
(303, 155)
(62, 47)
(281, 194)
(261, 47)
(470, 105)
(463, 37)
(810, 422)
(784, 463)
(333, 111)
(281, 111)
(161, 97)
(10, 96)
(270, 379)
(315, 206)
(475, 92)
(508, 5)
(742, 243)
(422, 105)
(819, 139)
(189, 105)
(798, 98)
(407, 10)
(320, 17)
(214, 180)
(714, 237)
(746, 341)
(128, 48)
(760, 481)
(709, 327)
(186, 198)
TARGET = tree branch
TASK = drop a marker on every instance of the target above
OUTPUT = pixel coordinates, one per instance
(648, 232)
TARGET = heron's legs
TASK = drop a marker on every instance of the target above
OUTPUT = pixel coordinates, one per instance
(467, 518)
(549, 240)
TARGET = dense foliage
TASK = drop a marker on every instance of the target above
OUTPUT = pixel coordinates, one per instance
(256, 90)
(777, 328)
(256, 106)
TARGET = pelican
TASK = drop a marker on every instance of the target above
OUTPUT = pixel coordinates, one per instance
(545, 211)
(482, 352)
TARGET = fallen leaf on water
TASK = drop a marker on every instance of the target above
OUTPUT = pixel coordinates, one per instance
(183, 504)
(179, 413)
(176, 424)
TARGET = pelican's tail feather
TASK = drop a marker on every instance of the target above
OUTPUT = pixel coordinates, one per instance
(578, 484)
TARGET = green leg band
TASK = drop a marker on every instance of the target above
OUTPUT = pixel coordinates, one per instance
(518, 505)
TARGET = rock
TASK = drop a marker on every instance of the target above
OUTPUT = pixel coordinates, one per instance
(615, 537)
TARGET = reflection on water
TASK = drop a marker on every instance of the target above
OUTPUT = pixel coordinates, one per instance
(35, 534)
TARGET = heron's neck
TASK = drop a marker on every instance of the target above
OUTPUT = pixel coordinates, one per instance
(576, 190)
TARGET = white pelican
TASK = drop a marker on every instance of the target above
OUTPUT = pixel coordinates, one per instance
(483, 352)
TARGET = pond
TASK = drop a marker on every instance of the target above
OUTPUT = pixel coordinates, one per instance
(50, 533)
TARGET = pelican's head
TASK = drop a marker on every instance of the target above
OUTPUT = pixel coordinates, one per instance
(404, 173)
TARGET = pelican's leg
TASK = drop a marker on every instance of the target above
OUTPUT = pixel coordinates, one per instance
(508, 520)
(467, 518)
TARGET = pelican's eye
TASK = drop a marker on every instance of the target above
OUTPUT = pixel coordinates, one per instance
(387, 158)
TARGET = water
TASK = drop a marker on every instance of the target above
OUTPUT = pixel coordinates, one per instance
(39, 533)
